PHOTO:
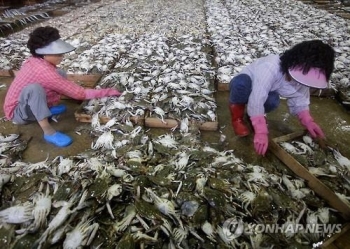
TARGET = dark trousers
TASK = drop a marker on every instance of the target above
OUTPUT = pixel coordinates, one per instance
(240, 89)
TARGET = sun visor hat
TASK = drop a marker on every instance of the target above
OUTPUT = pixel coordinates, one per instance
(314, 78)
(56, 47)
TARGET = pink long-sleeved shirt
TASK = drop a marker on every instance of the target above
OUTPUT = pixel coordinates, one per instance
(267, 77)
(37, 70)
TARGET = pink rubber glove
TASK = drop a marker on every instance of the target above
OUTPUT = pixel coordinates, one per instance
(307, 121)
(99, 93)
(261, 140)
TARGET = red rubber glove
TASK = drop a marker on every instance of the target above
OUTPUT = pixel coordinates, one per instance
(261, 140)
(99, 93)
(307, 121)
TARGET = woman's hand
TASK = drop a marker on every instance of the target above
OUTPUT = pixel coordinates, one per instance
(307, 121)
(261, 140)
(99, 93)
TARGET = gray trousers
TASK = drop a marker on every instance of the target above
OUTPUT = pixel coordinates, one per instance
(32, 105)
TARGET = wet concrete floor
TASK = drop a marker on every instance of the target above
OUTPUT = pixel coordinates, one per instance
(329, 114)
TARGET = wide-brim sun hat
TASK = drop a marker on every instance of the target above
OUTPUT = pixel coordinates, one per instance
(314, 78)
(55, 47)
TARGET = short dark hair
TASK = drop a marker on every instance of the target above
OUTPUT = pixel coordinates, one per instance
(309, 54)
(41, 37)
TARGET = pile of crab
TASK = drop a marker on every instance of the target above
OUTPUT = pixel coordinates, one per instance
(79, 33)
(327, 164)
(242, 31)
(171, 19)
(169, 78)
(138, 188)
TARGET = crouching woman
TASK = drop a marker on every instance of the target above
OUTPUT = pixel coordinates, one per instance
(34, 94)
(290, 75)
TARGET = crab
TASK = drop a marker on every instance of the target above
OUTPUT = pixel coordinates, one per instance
(305, 149)
(316, 171)
(294, 187)
(207, 228)
(64, 165)
(104, 141)
(257, 177)
(39, 165)
(342, 160)
(323, 215)
(113, 191)
(276, 180)
(288, 183)
(130, 213)
(95, 121)
(62, 215)
(164, 206)
(41, 209)
(159, 111)
(184, 125)
(81, 235)
(182, 160)
(200, 183)
(111, 169)
(9, 138)
(291, 148)
(211, 115)
(167, 140)
(311, 217)
(180, 234)
(222, 232)
(247, 198)
(290, 227)
(17, 214)
(139, 235)
(308, 141)
(186, 101)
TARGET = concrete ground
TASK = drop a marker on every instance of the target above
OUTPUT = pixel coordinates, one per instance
(329, 114)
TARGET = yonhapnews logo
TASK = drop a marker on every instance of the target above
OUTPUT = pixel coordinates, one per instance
(233, 228)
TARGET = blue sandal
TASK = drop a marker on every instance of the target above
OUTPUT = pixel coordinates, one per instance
(58, 109)
(59, 139)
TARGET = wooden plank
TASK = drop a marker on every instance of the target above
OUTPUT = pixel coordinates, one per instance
(5, 73)
(329, 243)
(289, 136)
(330, 246)
(157, 123)
(321, 1)
(172, 123)
(344, 15)
(343, 241)
(86, 118)
(316, 185)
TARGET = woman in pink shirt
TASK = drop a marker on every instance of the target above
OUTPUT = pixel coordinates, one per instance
(289, 75)
(35, 92)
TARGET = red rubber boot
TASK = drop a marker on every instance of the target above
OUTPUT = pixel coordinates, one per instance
(237, 113)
